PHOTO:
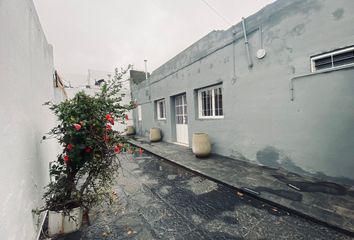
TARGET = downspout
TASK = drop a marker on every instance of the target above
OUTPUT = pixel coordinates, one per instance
(250, 64)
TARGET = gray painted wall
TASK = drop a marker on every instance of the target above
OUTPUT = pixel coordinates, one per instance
(313, 134)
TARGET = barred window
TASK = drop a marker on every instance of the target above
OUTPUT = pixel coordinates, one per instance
(333, 59)
(210, 102)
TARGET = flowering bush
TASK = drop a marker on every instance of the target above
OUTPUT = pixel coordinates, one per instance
(85, 169)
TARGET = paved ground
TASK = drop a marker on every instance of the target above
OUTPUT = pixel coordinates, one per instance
(320, 198)
(157, 200)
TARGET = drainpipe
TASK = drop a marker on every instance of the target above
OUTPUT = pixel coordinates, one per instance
(250, 64)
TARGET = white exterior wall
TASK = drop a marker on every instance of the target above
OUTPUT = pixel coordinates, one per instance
(78, 84)
(26, 75)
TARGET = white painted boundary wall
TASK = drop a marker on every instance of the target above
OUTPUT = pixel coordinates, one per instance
(96, 75)
(26, 77)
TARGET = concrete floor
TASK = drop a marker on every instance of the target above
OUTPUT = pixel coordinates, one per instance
(157, 200)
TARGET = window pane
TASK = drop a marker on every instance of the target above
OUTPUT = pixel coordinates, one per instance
(209, 103)
(218, 102)
(161, 110)
(179, 120)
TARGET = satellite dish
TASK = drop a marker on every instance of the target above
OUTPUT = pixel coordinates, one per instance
(261, 53)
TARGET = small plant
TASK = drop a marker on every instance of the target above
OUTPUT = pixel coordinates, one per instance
(86, 167)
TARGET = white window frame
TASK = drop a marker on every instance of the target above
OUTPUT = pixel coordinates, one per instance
(140, 116)
(158, 109)
(313, 59)
(213, 116)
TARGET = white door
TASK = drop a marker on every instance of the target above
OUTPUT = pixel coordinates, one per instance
(181, 119)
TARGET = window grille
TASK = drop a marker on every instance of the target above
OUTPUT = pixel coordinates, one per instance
(210, 102)
(333, 59)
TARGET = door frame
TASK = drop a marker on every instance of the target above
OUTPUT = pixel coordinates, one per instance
(174, 120)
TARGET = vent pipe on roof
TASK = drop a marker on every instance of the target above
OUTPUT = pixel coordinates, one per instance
(250, 64)
(146, 73)
(146, 78)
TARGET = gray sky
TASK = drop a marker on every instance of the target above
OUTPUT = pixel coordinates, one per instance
(104, 34)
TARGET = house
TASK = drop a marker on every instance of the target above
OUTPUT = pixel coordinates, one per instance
(275, 89)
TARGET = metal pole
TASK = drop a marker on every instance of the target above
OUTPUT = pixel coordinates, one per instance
(250, 64)
(146, 75)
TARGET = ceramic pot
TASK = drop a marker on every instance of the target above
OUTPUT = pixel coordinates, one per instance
(130, 130)
(201, 146)
(155, 134)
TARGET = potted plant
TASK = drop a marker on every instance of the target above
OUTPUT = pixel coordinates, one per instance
(86, 167)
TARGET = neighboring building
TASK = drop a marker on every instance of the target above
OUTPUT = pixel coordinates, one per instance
(60, 93)
(28, 80)
(281, 96)
(91, 84)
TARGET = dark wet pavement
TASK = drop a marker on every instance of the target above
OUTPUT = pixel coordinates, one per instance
(157, 200)
(317, 198)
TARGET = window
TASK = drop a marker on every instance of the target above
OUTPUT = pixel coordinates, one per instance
(161, 109)
(210, 102)
(140, 117)
(333, 59)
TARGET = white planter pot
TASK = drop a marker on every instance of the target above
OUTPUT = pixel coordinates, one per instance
(130, 130)
(58, 223)
(155, 134)
(201, 146)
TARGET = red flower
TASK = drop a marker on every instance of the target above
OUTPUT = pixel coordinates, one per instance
(108, 127)
(108, 116)
(66, 158)
(77, 126)
(69, 146)
(141, 151)
(88, 149)
(106, 138)
(111, 121)
(126, 117)
(120, 144)
(117, 149)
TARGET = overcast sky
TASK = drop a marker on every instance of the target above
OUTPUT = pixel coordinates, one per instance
(104, 34)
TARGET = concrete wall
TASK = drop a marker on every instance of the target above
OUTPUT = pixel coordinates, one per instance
(26, 74)
(313, 134)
